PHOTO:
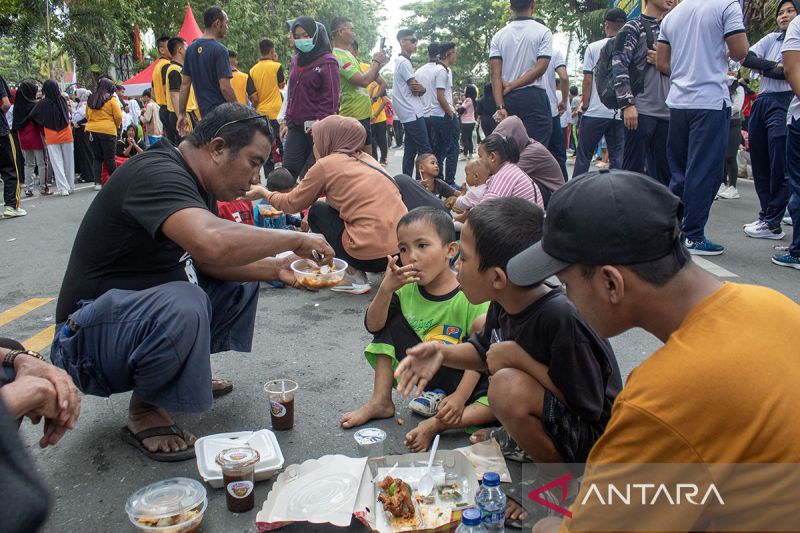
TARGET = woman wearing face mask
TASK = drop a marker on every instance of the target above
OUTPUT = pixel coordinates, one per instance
(313, 94)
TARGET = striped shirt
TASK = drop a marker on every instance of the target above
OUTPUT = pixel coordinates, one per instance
(510, 180)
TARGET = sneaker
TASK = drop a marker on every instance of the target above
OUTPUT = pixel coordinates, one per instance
(28, 192)
(730, 193)
(97, 186)
(787, 220)
(756, 222)
(722, 188)
(704, 247)
(10, 212)
(763, 231)
(63, 193)
(786, 260)
(427, 403)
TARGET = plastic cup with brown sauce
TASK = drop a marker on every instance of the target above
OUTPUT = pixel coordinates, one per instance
(238, 473)
(281, 401)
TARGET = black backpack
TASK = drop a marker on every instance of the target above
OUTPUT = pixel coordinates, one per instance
(603, 75)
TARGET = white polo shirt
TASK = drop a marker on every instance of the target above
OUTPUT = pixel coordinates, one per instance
(443, 80)
(590, 57)
(696, 31)
(770, 48)
(520, 44)
(407, 107)
(557, 60)
(792, 44)
(426, 75)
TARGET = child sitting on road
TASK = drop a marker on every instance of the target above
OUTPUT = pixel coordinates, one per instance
(428, 168)
(281, 180)
(422, 301)
(477, 172)
(554, 379)
(505, 177)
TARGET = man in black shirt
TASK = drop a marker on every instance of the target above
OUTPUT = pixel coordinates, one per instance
(149, 293)
(553, 379)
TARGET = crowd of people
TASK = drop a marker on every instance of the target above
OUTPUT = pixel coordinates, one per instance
(467, 315)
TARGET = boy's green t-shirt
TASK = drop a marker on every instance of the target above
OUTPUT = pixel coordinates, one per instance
(354, 101)
(446, 319)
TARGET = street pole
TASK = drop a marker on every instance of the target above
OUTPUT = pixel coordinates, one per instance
(49, 44)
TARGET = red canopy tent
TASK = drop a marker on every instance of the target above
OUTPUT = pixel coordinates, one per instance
(144, 79)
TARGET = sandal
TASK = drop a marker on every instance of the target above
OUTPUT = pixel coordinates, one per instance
(509, 447)
(135, 440)
(427, 403)
(223, 387)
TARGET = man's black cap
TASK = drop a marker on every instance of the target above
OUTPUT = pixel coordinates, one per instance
(606, 217)
(615, 14)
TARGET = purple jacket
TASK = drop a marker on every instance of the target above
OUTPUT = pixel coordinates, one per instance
(313, 90)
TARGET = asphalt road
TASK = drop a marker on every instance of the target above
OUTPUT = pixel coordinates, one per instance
(316, 339)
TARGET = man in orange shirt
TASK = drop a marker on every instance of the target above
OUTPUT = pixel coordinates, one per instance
(242, 84)
(722, 390)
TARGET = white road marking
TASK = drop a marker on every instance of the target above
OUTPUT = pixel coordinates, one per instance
(712, 268)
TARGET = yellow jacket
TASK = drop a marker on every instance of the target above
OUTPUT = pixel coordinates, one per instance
(106, 120)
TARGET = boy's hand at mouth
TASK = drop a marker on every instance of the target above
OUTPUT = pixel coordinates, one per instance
(396, 276)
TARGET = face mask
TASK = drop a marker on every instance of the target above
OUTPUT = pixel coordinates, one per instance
(304, 45)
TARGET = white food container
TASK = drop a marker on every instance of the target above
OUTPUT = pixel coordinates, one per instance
(263, 441)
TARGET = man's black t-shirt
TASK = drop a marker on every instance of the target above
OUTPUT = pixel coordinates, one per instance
(119, 244)
(580, 363)
(207, 62)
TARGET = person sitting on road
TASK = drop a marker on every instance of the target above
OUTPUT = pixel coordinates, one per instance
(33, 388)
(148, 292)
(422, 301)
(427, 169)
(130, 144)
(505, 177)
(363, 204)
(535, 159)
(476, 172)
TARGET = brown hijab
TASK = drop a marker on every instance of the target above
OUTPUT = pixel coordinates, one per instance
(534, 157)
(337, 134)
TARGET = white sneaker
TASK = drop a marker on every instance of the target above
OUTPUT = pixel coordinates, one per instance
(722, 188)
(97, 187)
(754, 223)
(63, 193)
(10, 212)
(787, 220)
(730, 194)
(763, 231)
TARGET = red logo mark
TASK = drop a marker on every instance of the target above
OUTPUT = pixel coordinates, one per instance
(562, 482)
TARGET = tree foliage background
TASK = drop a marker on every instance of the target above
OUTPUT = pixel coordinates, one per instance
(95, 32)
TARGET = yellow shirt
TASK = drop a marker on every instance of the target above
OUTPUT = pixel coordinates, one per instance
(106, 120)
(267, 75)
(373, 89)
(191, 105)
(239, 84)
(725, 388)
(159, 87)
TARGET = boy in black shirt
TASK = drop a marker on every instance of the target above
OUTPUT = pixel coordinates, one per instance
(553, 379)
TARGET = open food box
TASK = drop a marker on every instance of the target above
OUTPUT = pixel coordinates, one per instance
(333, 488)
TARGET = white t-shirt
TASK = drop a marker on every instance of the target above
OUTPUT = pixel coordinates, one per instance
(557, 60)
(426, 75)
(792, 44)
(596, 108)
(574, 104)
(696, 31)
(770, 48)
(443, 80)
(566, 116)
(407, 107)
(520, 44)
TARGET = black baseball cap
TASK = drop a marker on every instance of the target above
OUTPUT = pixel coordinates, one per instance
(605, 217)
(615, 14)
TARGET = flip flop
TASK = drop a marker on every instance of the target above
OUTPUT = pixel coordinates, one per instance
(227, 387)
(135, 440)
(353, 288)
(508, 446)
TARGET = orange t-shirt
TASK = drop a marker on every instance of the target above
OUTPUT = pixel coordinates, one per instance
(58, 137)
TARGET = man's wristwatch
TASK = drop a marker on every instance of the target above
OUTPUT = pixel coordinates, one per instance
(501, 107)
(8, 360)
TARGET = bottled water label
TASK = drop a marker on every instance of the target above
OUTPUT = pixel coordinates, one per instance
(494, 519)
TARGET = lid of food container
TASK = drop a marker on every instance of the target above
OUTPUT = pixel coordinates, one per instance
(369, 436)
(166, 498)
(238, 457)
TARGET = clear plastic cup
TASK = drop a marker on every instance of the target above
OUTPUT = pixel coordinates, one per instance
(281, 400)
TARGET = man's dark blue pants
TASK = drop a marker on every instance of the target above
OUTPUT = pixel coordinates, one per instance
(415, 142)
(646, 146)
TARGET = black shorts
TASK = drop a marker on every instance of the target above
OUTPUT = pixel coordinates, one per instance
(368, 129)
(572, 436)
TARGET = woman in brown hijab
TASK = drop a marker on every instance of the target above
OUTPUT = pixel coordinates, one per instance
(362, 203)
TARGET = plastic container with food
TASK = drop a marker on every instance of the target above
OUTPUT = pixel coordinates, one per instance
(312, 276)
(174, 505)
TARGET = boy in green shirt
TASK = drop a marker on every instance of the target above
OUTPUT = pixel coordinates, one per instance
(422, 301)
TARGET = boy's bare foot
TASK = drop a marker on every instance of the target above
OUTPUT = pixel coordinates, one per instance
(143, 416)
(514, 511)
(479, 436)
(419, 438)
(369, 411)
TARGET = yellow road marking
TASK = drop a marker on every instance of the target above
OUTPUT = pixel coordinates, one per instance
(41, 340)
(21, 309)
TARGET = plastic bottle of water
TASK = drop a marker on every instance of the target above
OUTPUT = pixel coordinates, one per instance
(492, 503)
(471, 522)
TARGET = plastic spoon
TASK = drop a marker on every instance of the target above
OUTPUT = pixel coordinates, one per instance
(426, 482)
